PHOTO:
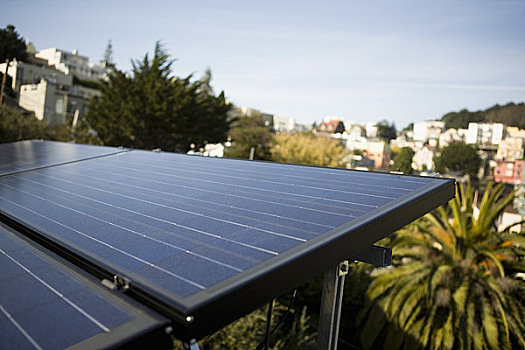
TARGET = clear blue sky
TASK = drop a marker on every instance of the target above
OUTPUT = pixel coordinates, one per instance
(362, 60)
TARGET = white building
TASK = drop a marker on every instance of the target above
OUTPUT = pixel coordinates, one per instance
(451, 136)
(51, 102)
(428, 131)
(281, 124)
(485, 133)
(424, 158)
(371, 130)
(28, 73)
(73, 63)
(511, 148)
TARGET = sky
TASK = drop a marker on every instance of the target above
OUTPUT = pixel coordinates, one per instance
(402, 61)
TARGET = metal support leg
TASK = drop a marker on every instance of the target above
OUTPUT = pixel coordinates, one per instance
(333, 285)
(192, 345)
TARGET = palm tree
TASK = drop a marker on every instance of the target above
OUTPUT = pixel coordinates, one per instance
(455, 282)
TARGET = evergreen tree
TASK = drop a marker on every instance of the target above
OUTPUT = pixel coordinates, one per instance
(12, 46)
(386, 131)
(108, 54)
(151, 108)
(403, 161)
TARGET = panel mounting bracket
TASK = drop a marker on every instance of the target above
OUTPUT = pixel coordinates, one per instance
(375, 255)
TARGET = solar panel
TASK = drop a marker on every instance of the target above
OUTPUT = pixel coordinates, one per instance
(44, 304)
(33, 154)
(207, 240)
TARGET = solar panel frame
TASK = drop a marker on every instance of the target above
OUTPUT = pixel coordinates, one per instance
(144, 326)
(273, 277)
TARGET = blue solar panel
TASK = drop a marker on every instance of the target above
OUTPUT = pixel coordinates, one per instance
(45, 305)
(194, 230)
(34, 154)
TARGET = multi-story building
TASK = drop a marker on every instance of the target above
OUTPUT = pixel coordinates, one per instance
(485, 134)
(428, 131)
(511, 147)
(511, 172)
(30, 73)
(51, 102)
(75, 64)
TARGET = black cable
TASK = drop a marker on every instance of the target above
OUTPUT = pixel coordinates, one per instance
(268, 334)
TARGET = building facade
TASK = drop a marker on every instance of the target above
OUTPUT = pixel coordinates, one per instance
(428, 131)
(510, 172)
(51, 102)
(75, 64)
(487, 134)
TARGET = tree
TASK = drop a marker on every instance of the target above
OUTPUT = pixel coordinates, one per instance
(403, 160)
(248, 132)
(12, 46)
(310, 150)
(458, 157)
(461, 119)
(151, 108)
(454, 283)
(108, 54)
(386, 131)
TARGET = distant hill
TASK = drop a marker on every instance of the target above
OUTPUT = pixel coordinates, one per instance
(510, 114)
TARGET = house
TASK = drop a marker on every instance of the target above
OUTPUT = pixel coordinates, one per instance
(51, 102)
(510, 172)
(424, 158)
(281, 124)
(452, 135)
(428, 131)
(74, 64)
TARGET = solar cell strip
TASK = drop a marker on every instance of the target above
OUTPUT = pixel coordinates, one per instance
(111, 246)
(196, 189)
(60, 295)
(131, 212)
(252, 187)
(247, 196)
(20, 329)
(283, 170)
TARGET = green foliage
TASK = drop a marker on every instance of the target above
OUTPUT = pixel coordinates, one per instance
(249, 331)
(86, 83)
(457, 120)
(108, 53)
(385, 130)
(151, 108)
(403, 160)
(248, 132)
(12, 45)
(510, 114)
(309, 150)
(454, 283)
(458, 157)
(17, 126)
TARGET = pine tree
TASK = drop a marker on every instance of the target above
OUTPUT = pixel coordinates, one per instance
(151, 108)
